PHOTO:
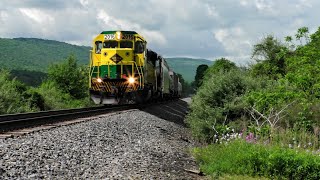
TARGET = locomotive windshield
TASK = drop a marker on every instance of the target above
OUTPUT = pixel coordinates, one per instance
(126, 44)
(110, 44)
(114, 44)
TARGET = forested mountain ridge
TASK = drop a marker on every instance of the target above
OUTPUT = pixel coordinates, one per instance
(36, 54)
(32, 54)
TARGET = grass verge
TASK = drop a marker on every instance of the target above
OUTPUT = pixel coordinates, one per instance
(256, 160)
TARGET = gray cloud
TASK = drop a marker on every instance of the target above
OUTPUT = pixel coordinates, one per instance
(194, 28)
(41, 4)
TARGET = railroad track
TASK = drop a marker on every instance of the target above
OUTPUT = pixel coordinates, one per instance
(15, 122)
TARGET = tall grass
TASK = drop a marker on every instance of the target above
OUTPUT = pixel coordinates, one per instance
(242, 158)
(295, 139)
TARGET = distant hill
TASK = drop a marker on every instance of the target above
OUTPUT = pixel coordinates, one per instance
(35, 55)
(187, 66)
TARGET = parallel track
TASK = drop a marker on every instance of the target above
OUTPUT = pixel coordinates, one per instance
(26, 120)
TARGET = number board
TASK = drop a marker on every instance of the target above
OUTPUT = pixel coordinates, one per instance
(113, 36)
(127, 36)
(109, 36)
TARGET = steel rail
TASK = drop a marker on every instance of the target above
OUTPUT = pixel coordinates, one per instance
(25, 120)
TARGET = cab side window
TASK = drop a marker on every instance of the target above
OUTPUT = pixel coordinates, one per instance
(98, 47)
(139, 47)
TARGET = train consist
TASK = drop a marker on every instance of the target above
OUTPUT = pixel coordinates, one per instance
(123, 70)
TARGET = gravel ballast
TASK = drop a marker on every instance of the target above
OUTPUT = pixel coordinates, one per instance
(132, 144)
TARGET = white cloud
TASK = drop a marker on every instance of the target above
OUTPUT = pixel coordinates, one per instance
(263, 4)
(234, 40)
(3, 16)
(207, 28)
(266, 7)
(212, 11)
(120, 24)
(304, 4)
(244, 2)
(37, 15)
(221, 35)
(154, 37)
(84, 2)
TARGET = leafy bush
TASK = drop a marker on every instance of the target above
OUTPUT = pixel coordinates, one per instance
(15, 97)
(218, 99)
(66, 86)
(201, 69)
(30, 78)
(55, 98)
(270, 57)
(280, 100)
(220, 65)
(241, 158)
(70, 78)
(303, 67)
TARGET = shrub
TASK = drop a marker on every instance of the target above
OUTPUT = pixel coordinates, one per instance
(70, 78)
(55, 98)
(15, 97)
(219, 99)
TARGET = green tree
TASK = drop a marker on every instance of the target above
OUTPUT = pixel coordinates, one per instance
(220, 65)
(16, 97)
(69, 77)
(290, 44)
(199, 74)
(269, 55)
(55, 98)
(303, 32)
(303, 66)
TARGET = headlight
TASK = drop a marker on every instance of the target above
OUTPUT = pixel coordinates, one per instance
(118, 35)
(99, 80)
(131, 80)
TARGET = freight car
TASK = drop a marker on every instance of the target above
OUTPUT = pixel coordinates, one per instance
(123, 70)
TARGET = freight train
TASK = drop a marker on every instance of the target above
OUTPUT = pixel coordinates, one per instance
(123, 70)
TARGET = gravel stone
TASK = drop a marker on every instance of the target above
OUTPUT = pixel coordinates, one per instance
(148, 144)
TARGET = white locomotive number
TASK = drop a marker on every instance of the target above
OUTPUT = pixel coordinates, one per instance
(113, 36)
(127, 36)
(109, 36)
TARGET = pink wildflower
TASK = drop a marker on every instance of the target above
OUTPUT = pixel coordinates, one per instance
(250, 138)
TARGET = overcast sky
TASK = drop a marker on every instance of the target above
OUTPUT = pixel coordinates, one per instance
(191, 28)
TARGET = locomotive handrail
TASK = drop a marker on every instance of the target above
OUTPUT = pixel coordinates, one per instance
(140, 76)
(91, 69)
